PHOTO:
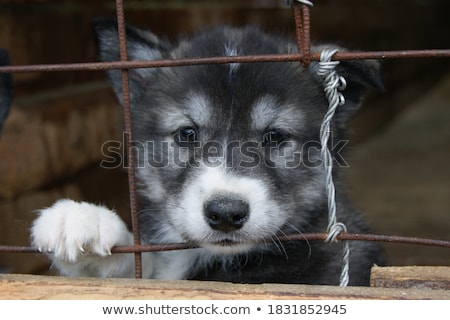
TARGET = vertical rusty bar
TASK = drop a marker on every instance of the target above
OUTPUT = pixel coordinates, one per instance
(129, 134)
(302, 28)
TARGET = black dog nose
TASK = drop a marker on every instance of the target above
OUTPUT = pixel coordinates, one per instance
(226, 214)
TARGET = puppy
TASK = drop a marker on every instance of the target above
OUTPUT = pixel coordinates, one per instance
(227, 158)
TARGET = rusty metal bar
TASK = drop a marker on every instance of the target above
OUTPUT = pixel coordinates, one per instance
(302, 28)
(99, 66)
(129, 135)
(295, 237)
(301, 237)
(304, 237)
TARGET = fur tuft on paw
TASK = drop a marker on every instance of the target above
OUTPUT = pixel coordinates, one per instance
(69, 230)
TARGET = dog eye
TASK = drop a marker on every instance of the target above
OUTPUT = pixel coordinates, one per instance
(273, 137)
(185, 136)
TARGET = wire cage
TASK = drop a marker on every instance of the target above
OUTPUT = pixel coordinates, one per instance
(301, 11)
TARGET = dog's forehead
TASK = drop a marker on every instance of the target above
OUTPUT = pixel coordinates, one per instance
(264, 113)
(268, 112)
(194, 108)
(262, 96)
(209, 99)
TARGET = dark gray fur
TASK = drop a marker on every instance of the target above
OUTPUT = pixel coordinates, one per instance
(153, 90)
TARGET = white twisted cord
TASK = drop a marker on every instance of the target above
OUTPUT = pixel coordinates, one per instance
(333, 84)
(307, 2)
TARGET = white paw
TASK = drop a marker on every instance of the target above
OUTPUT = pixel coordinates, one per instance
(70, 230)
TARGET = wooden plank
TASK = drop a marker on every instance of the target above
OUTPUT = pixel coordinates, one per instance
(45, 287)
(411, 277)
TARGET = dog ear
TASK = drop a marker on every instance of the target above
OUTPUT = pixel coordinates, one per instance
(360, 76)
(141, 45)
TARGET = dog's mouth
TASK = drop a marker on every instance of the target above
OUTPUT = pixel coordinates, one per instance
(226, 243)
(227, 246)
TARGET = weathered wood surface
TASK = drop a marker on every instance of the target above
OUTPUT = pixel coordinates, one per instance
(45, 287)
(411, 277)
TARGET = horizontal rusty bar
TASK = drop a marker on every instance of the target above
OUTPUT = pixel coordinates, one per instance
(373, 237)
(296, 237)
(98, 66)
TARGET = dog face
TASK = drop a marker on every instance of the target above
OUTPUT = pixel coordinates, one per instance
(228, 154)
